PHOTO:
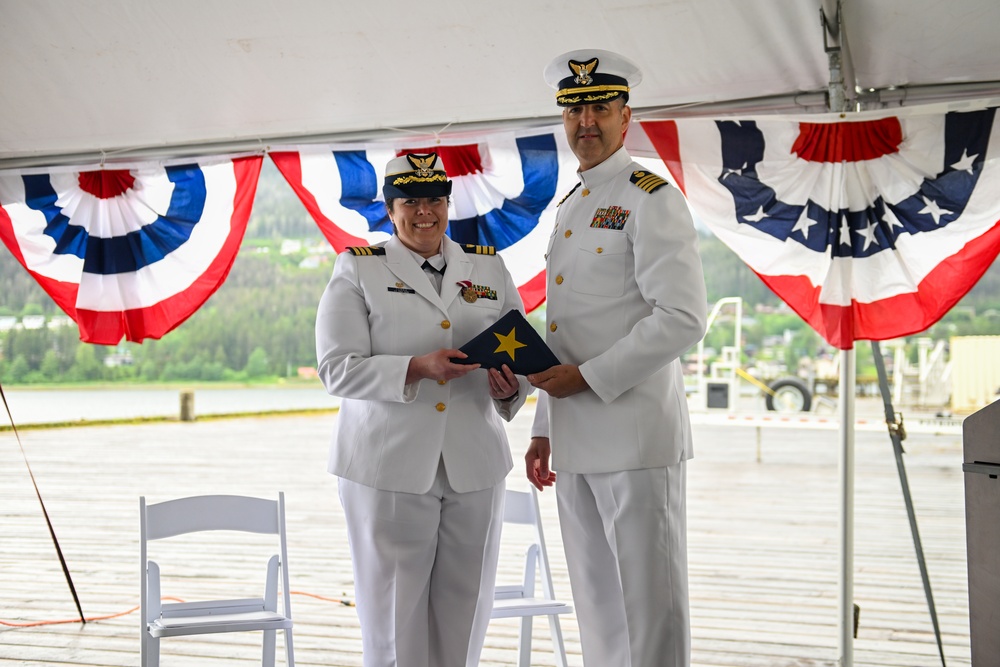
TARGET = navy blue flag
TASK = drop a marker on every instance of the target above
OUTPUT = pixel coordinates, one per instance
(512, 341)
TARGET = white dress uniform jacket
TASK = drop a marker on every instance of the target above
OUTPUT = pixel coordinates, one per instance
(626, 297)
(378, 312)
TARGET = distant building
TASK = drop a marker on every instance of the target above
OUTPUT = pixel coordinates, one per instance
(321, 248)
(33, 321)
(7, 322)
(290, 246)
(314, 262)
(119, 359)
(773, 341)
(308, 373)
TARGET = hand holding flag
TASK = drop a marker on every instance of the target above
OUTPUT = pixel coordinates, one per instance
(511, 341)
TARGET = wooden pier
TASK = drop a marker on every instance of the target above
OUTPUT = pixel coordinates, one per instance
(763, 543)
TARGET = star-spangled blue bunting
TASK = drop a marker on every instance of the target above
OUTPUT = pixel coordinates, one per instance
(845, 233)
(869, 225)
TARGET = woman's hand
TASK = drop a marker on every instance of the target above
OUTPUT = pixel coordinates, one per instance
(503, 384)
(438, 366)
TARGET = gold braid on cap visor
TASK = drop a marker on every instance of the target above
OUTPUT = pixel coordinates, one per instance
(593, 89)
(438, 177)
(608, 90)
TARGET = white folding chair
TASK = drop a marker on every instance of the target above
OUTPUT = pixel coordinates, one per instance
(519, 600)
(210, 513)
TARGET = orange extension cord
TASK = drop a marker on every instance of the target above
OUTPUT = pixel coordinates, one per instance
(12, 624)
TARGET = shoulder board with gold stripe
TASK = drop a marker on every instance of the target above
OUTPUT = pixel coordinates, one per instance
(367, 251)
(567, 195)
(647, 181)
(474, 249)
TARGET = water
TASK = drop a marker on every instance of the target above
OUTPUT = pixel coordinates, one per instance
(71, 405)
(49, 406)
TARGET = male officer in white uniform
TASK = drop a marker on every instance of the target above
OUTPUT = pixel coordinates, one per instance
(626, 297)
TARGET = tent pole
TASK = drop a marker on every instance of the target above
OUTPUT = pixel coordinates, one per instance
(846, 606)
(831, 19)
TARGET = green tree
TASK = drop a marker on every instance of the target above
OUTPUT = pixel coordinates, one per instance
(211, 372)
(50, 367)
(257, 364)
(86, 366)
(28, 343)
(727, 275)
(18, 370)
(148, 370)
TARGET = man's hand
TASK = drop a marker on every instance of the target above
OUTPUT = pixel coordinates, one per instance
(536, 463)
(560, 381)
(438, 366)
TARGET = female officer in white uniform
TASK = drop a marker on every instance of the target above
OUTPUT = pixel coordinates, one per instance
(419, 448)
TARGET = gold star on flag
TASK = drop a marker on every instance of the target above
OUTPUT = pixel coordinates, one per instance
(508, 344)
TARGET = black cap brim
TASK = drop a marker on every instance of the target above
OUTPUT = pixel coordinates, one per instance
(417, 190)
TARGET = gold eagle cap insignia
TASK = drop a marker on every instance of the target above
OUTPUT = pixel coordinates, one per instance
(583, 71)
(422, 164)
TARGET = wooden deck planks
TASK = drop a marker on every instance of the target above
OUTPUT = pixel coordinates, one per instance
(762, 543)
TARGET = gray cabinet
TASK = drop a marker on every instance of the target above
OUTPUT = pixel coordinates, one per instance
(981, 441)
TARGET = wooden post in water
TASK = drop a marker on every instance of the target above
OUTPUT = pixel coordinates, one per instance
(187, 406)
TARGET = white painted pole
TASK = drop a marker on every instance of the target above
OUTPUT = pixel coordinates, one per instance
(846, 391)
(833, 43)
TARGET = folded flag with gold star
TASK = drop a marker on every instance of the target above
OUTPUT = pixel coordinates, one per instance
(512, 341)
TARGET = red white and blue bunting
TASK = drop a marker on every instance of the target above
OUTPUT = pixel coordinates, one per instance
(869, 227)
(505, 193)
(131, 251)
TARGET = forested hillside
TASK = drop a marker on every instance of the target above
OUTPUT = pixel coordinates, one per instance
(260, 322)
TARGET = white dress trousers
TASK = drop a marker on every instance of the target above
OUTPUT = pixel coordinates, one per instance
(424, 567)
(627, 533)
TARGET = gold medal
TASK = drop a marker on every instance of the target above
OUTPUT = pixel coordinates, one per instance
(469, 294)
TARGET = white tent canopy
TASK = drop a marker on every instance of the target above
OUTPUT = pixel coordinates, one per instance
(95, 79)
(104, 80)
